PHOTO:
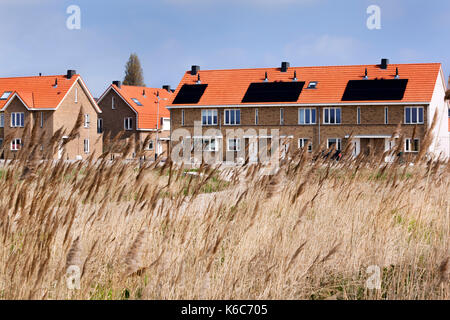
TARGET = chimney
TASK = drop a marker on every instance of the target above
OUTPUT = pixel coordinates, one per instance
(195, 70)
(117, 83)
(384, 63)
(285, 66)
(71, 73)
(166, 87)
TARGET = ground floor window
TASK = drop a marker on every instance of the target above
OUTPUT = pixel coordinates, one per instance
(334, 142)
(205, 144)
(304, 142)
(412, 145)
(150, 145)
(234, 144)
(16, 144)
(86, 145)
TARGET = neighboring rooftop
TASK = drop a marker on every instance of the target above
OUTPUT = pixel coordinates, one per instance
(144, 102)
(321, 85)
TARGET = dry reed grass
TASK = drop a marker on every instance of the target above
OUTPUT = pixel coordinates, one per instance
(148, 231)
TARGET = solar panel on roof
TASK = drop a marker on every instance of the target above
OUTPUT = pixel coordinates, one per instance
(190, 93)
(273, 92)
(378, 89)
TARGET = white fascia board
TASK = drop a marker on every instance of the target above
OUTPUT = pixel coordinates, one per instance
(83, 85)
(11, 99)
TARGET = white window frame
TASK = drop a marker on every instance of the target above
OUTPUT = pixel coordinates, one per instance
(76, 95)
(100, 125)
(14, 144)
(182, 117)
(281, 116)
(128, 123)
(386, 115)
(87, 121)
(17, 116)
(338, 142)
(302, 142)
(417, 115)
(310, 116)
(2, 120)
(329, 118)
(358, 115)
(86, 146)
(213, 112)
(256, 116)
(206, 144)
(237, 144)
(409, 143)
(235, 111)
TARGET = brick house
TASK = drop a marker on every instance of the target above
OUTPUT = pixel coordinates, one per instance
(314, 107)
(140, 114)
(48, 103)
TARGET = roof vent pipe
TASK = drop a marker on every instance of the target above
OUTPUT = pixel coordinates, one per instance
(397, 76)
(265, 77)
(366, 75)
(198, 79)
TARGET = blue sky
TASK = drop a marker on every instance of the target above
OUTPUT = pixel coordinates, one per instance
(171, 35)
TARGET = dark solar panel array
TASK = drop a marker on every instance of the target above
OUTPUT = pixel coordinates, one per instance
(190, 93)
(382, 89)
(273, 92)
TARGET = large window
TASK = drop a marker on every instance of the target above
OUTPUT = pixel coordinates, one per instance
(414, 115)
(16, 144)
(334, 142)
(17, 119)
(412, 145)
(332, 115)
(128, 123)
(234, 144)
(209, 117)
(305, 143)
(232, 117)
(306, 116)
(205, 144)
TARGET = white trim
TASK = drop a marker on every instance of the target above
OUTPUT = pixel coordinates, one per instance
(224, 117)
(310, 116)
(212, 117)
(329, 118)
(237, 144)
(417, 115)
(331, 104)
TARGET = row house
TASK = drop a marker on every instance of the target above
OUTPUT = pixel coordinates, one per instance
(314, 107)
(48, 104)
(138, 114)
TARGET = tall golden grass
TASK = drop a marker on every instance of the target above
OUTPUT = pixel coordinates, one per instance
(149, 231)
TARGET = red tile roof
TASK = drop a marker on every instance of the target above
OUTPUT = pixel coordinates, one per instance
(37, 92)
(228, 87)
(147, 113)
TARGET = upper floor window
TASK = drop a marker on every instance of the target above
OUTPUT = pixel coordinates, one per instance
(334, 142)
(256, 116)
(182, 117)
(332, 115)
(414, 115)
(386, 115)
(42, 119)
(209, 117)
(76, 95)
(128, 123)
(304, 142)
(306, 116)
(412, 145)
(2, 120)
(86, 121)
(17, 119)
(358, 115)
(99, 125)
(5, 95)
(113, 103)
(16, 144)
(281, 116)
(232, 116)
